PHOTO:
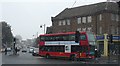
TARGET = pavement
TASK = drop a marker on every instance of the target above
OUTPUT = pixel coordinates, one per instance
(0, 58)
(113, 59)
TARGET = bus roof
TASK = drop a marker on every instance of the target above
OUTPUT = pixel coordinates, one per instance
(54, 34)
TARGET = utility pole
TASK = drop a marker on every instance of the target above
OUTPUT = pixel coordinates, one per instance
(109, 45)
(43, 26)
(14, 42)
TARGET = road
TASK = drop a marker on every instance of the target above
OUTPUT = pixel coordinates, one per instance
(27, 58)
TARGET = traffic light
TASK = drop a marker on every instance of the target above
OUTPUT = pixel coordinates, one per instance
(40, 26)
(14, 40)
(118, 4)
(111, 38)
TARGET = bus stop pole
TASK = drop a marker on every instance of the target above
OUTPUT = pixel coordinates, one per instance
(105, 45)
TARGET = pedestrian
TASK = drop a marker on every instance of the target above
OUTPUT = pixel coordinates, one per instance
(16, 50)
(5, 51)
(96, 54)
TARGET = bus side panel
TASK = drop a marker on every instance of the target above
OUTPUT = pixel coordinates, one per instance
(60, 54)
(84, 43)
(54, 54)
(83, 55)
(42, 53)
(41, 43)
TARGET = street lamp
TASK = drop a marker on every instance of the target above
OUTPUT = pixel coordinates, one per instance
(43, 26)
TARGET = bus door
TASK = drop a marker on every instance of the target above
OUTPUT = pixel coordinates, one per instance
(67, 48)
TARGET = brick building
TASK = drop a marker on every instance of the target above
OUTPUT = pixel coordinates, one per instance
(99, 18)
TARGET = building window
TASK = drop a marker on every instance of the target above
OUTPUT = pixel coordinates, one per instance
(89, 19)
(60, 23)
(112, 30)
(79, 20)
(64, 23)
(100, 17)
(83, 29)
(68, 22)
(117, 31)
(89, 29)
(113, 16)
(83, 19)
(100, 30)
(79, 29)
(117, 17)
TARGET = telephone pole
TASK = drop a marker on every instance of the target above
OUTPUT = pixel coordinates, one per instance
(43, 26)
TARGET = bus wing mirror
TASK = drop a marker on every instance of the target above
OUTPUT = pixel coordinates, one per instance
(77, 36)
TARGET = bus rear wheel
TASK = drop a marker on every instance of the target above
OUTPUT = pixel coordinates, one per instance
(73, 58)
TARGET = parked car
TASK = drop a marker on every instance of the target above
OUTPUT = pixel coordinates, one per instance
(24, 50)
(31, 50)
(18, 50)
(9, 49)
(35, 53)
(2, 50)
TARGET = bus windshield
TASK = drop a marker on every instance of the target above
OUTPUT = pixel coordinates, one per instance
(76, 48)
(91, 39)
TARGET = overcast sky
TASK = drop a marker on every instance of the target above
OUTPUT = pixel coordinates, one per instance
(25, 16)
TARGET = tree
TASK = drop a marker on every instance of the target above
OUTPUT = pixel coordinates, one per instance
(35, 44)
(18, 37)
(7, 36)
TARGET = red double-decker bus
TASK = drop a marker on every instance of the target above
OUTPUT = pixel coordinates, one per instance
(73, 45)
